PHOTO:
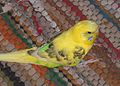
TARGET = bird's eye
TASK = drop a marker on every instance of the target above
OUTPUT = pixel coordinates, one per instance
(89, 32)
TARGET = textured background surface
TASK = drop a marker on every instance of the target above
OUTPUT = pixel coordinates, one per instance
(21, 28)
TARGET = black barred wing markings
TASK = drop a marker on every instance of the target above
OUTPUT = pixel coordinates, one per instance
(79, 52)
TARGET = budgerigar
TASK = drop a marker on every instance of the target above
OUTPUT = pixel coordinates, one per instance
(67, 49)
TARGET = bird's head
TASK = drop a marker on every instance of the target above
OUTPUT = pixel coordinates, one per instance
(85, 31)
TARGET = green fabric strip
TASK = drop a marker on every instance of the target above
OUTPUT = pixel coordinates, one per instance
(54, 77)
(6, 18)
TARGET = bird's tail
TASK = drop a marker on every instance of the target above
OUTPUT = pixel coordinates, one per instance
(21, 56)
(28, 56)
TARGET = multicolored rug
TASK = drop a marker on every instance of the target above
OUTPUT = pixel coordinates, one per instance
(34, 22)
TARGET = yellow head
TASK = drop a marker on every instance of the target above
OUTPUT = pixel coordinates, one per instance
(85, 31)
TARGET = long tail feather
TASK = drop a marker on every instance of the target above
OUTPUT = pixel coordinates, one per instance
(21, 56)
(25, 56)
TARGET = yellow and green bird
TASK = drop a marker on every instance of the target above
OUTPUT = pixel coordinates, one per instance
(67, 49)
